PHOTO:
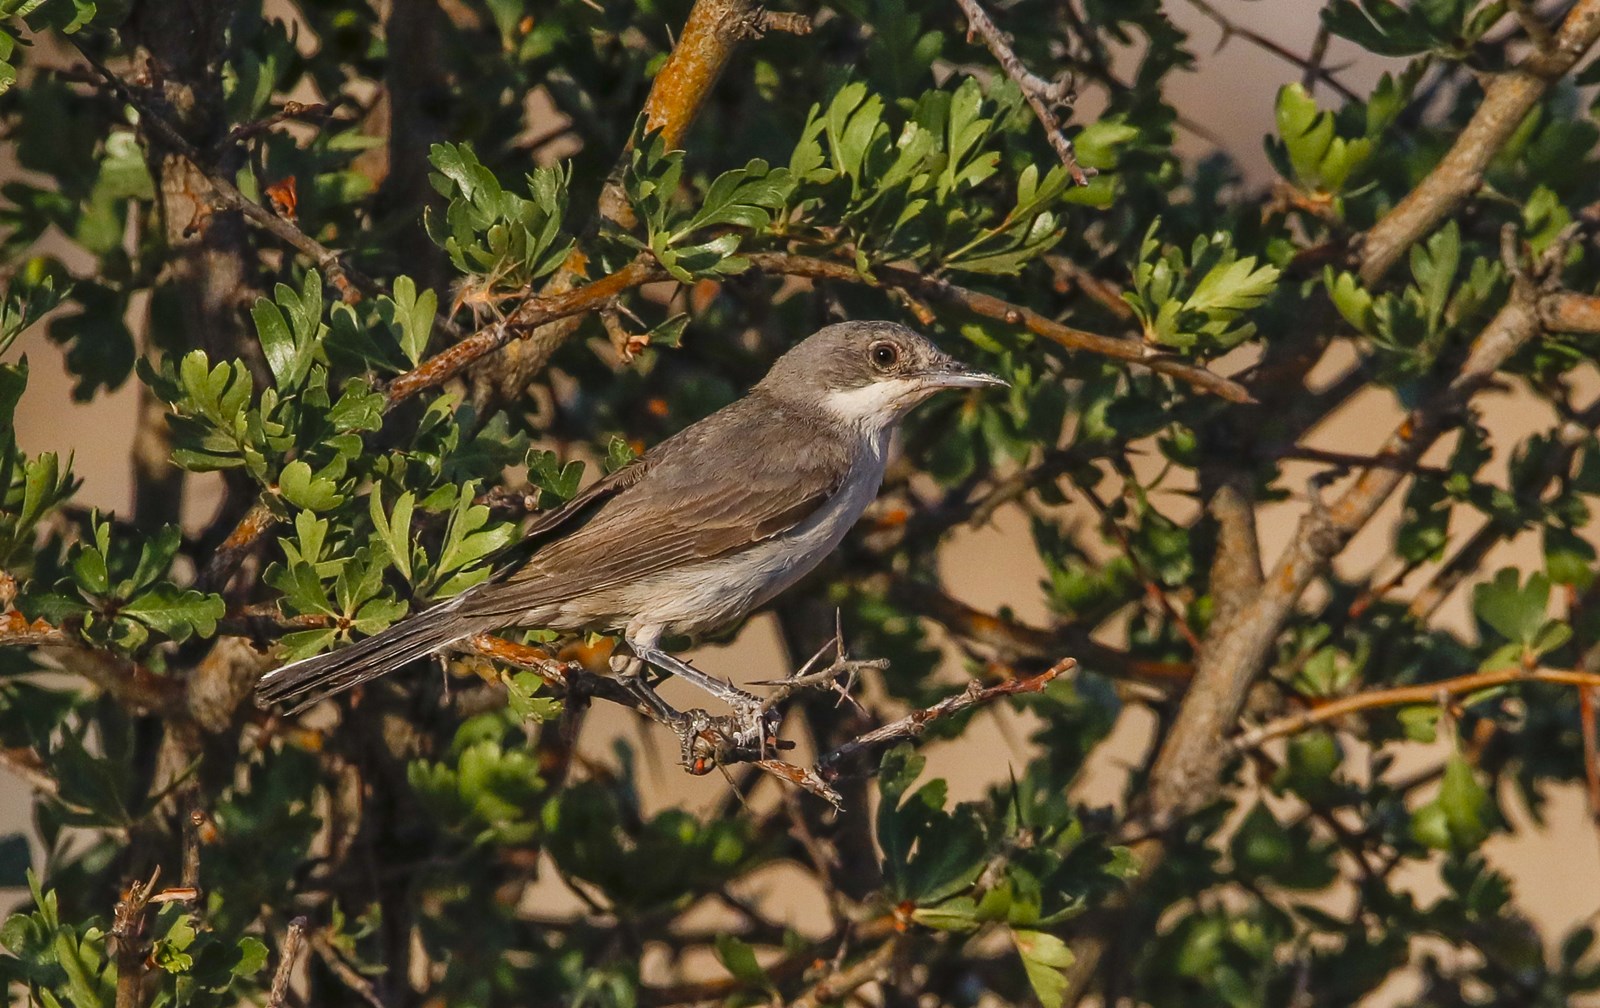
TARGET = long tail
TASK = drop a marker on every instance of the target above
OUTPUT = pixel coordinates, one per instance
(309, 680)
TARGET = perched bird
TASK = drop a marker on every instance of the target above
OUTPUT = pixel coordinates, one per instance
(697, 532)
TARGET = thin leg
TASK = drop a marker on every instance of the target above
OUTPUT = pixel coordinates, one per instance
(629, 671)
(728, 693)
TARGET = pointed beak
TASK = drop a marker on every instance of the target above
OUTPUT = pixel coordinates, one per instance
(951, 373)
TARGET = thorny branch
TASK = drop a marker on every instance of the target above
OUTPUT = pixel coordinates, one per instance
(569, 679)
(1043, 96)
(831, 766)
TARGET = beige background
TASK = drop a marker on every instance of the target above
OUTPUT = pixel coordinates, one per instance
(1229, 99)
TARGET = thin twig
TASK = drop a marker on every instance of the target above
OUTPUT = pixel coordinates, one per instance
(293, 940)
(838, 984)
(127, 933)
(830, 767)
(358, 984)
(1311, 65)
(1043, 96)
(29, 767)
(1421, 693)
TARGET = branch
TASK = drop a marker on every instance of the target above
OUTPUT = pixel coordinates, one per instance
(521, 323)
(132, 684)
(830, 767)
(565, 678)
(839, 983)
(127, 933)
(1560, 450)
(293, 940)
(357, 984)
(1187, 772)
(941, 291)
(1043, 96)
(712, 32)
(351, 282)
(1012, 641)
(1190, 764)
(29, 767)
(1421, 693)
(1570, 312)
(1506, 103)
(1311, 65)
(255, 523)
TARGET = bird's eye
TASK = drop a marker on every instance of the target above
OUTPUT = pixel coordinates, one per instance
(883, 355)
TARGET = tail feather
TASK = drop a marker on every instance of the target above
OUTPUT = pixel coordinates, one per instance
(305, 682)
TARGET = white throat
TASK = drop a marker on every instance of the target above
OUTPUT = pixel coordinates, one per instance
(873, 408)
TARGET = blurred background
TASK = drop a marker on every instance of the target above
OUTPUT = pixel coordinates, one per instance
(1226, 104)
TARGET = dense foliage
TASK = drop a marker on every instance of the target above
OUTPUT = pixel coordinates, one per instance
(494, 324)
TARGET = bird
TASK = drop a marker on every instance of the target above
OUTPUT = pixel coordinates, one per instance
(696, 533)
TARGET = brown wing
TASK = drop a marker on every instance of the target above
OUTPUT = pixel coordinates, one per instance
(587, 500)
(714, 489)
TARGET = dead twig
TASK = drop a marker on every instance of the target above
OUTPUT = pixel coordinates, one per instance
(127, 933)
(293, 940)
(830, 767)
(1043, 96)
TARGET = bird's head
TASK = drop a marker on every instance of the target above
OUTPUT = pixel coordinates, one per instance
(869, 374)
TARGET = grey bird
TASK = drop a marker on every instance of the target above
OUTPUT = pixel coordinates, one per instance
(696, 533)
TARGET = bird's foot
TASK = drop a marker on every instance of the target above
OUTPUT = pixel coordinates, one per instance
(710, 741)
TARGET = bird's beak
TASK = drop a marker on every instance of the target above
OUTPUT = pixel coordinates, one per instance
(952, 373)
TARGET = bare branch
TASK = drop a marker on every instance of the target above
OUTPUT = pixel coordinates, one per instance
(831, 767)
(1043, 96)
(293, 940)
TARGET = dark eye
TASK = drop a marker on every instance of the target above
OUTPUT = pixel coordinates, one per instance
(883, 355)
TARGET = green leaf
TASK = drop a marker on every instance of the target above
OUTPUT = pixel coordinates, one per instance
(177, 613)
(415, 315)
(1515, 612)
(1045, 959)
(522, 695)
(1465, 804)
(739, 959)
(957, 914)
(300, 488)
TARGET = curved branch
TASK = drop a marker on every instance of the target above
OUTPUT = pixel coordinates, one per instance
(1506, 103)
(1403, 695)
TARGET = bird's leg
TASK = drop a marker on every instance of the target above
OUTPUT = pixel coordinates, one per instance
(728, 693)
(629, 671)
(753, 723)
